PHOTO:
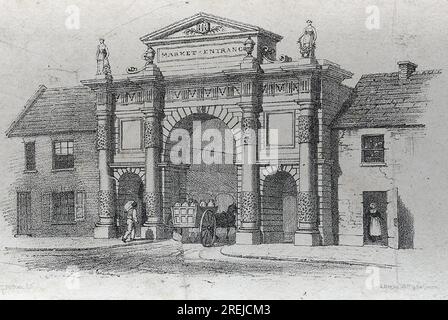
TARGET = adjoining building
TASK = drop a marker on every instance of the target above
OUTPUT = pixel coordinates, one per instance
(90, 149)
(379, 131)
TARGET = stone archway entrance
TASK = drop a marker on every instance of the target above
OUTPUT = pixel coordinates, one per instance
(279, 214)
(130, 187)
(198, 178)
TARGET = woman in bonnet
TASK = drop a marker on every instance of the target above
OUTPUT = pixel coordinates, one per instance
(375, 222)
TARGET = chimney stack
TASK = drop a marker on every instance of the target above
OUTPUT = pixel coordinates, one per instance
(406, 68)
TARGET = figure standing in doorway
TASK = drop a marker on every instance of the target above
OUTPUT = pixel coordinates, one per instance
(375, 221)
(131, 220)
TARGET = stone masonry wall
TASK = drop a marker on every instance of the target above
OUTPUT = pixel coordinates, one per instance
(333, 96)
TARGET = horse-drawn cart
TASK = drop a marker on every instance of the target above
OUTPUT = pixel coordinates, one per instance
(203, 216)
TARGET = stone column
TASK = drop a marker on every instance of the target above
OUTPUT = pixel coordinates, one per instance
(249, 229)
(105, 227)
(307, 232)
(153, 228)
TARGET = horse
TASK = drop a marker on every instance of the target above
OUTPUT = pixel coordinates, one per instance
(227, 219)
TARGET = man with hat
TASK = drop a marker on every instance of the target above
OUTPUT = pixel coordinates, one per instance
(131, 220)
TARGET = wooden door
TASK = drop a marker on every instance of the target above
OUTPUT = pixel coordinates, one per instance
(289, 217)
(23, 213)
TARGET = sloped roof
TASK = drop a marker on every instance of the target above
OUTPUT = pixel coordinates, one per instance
(56, 110)
(383, 100)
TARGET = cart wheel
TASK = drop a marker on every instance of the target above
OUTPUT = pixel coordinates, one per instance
(208, 228)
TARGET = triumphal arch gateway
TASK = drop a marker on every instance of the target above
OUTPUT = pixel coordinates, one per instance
(214, 73)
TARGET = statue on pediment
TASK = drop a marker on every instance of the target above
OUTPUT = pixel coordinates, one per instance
(307, 41)
(102, 59)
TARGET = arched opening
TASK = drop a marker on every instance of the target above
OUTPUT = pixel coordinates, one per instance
(130, 187)
(201, 169)
(279, 215)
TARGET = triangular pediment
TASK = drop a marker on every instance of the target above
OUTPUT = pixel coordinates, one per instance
(204, 25)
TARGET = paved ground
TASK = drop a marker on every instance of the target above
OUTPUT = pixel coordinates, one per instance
(367, 255)
(170, 270)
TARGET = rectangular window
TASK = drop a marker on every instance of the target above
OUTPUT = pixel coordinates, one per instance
(373, 149)
(131, 135)
(280, 129)
(63, 207)
(63, 157)
(30, 156)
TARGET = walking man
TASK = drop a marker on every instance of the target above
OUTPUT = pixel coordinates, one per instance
(131, 220)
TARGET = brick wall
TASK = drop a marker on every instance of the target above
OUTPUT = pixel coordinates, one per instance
(84, 177)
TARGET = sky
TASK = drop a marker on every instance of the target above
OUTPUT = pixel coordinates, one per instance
(38, 44)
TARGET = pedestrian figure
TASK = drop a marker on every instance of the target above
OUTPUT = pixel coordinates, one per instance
(131, 220)
(177, 236)
(375, 221)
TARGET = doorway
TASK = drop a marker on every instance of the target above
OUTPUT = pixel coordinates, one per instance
(375, 218)
(279, 216)
(289, 217)
(130, 188)
(23, 213)
(207, 171)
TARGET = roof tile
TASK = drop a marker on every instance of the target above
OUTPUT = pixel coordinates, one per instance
(57, 110)
(382, 99)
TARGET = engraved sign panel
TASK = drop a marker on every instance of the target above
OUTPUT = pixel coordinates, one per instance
(200, 51)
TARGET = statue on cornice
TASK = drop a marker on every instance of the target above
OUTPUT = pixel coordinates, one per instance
(307, 41)
(149, 55)
(102, 59)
